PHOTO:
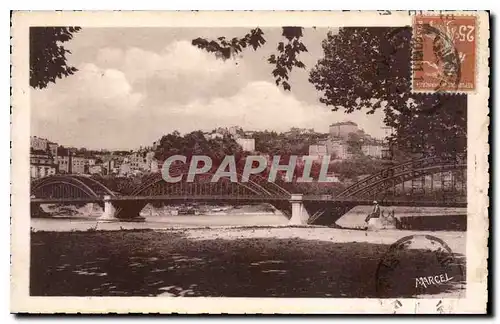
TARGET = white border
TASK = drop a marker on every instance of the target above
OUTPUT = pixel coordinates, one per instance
(478, 177)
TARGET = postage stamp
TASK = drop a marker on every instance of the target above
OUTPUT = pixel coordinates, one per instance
(444, 53)
(249, 162)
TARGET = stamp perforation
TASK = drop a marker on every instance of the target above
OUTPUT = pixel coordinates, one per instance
(452, 16)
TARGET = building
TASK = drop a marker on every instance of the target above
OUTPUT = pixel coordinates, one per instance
(339, 149)
(235, 130)
(42, 144)
(249, 133)
(374, 149)
(247, 144)
(110, 166)
(141, 160)
(41, 164)
(96, 169)
(136, 160)
(342, 129)
(125, 168)
(387, 152)
(156, 165)
(53, 148)
(38, 143)
(212, 135)
(79, 165)
(295, 131)
(216, 135)
(63, 162)
(43, 157)
(318, 151)
(75, 164)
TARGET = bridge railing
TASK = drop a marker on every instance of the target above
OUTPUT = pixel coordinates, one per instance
(398, 170)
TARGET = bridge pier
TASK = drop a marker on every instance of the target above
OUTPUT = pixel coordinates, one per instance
(129, 212)
(36, 211)
(109, 210)
(300, 215)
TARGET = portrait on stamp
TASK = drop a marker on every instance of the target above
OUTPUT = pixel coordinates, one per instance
(191, 155)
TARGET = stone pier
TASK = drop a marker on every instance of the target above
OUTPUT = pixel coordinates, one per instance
(37, 211)
(129, 211)
(300, 215)
(109, 210)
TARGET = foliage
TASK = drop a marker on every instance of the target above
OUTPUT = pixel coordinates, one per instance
(369, 69)
(195, 143)
(354, 144)
(48, 60)
(285, 144)
(356, 167)
(284, 60)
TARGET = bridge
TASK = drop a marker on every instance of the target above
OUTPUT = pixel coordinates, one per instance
(424, 182)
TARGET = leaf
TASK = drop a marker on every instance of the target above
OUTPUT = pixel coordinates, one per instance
(281, 47)
(286, 86)
(300, 65)
(363, 64)
(47, 55)
(292, 32)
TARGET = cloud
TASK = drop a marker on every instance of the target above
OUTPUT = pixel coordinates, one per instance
(258, 106)
(130, 98)
(179, 73)
(262, 105)
(178, 58)
(76, 109)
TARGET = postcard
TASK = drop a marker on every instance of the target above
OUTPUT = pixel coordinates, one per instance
(250, 162)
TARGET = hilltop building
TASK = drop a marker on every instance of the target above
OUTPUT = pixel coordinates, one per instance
(336, 145)
(318, 151)
(343, 129)
(247, 144)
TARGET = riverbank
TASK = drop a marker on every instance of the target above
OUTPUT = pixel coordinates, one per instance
(222, 261)
(83, 217)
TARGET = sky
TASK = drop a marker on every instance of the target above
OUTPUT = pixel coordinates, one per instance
(136, 84)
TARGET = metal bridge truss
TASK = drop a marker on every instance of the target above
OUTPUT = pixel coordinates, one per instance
(442, 173)
(255, 186)
(254, 189)
(74, 186)
(417, 173)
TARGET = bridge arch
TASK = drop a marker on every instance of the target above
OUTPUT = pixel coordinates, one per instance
(254, 186)
(254, 189)
(68, 186)
(381, 181)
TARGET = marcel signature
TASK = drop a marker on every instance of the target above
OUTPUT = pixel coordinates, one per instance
(432, 280)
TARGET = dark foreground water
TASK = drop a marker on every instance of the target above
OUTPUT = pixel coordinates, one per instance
(149, 263)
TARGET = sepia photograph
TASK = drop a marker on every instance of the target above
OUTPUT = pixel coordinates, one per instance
(339, 160)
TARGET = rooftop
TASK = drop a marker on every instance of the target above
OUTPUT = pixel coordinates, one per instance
(39, 152)
(344, 123)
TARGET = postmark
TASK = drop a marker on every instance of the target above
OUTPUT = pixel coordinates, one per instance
(444, 53)
(418, 266)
